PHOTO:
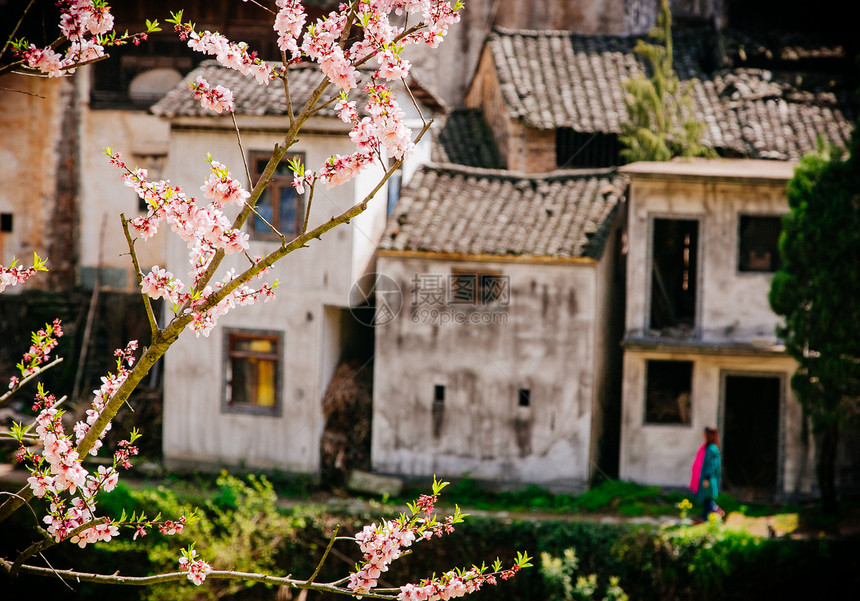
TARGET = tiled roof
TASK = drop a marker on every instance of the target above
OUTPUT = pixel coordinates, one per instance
(250, 98)
(455, 210)
(552, 79)
(465, 139)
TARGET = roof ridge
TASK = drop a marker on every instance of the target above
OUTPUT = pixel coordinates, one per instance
(519, 175)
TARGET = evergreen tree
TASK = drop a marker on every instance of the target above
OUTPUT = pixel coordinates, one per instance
(661, 125)
(817, 292)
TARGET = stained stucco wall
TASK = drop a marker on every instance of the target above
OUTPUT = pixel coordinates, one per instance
(661, 454)
(32, 111)
(544, 341)
(314, 281)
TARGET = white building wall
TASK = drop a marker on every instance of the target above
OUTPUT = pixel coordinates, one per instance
(544, 341)
(313, 282)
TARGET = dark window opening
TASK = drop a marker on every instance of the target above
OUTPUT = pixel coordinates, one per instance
(674, 273)
(758, 243)
(479, 288)
(668, 396)
(279, 204)
(584, 149)
(252, 381)
(525, 397)
(5, 222)
(439, 394)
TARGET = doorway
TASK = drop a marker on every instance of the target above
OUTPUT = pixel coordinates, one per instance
(750, 436)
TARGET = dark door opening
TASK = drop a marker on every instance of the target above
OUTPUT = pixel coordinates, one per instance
(750, 437)
(674, 271)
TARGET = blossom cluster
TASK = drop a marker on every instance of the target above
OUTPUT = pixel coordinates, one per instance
(324, 42)
(18, 274)
(382, 544)
(206, 230)
(39, 353)
(450, 585)
(197, 568)
(110, 384)
(457, 583)
(83, 23)
(289, 23)
(218, 99)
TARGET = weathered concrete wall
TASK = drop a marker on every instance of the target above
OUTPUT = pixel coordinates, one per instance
(544, 341)
(313, 282)
(731, 304)
(32, 115)
(662, 454)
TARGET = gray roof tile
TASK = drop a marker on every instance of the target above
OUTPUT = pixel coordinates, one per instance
(552, 79)
(250, 98)
(451, 209)
(465, 139)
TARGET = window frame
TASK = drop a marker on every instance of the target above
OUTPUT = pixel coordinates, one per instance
(231, 334)
(647, 393)
(276, 184)
(697, 281)
(775, 261)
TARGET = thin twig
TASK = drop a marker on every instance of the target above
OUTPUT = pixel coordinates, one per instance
(23, 381)
(150, 314)
(325, 554)
(180, 576)
(22, 92)
(241, 148)
(286, 78)
(15, 29)
(308, 207)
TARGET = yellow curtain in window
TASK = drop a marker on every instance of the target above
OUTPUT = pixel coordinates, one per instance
(266, 383)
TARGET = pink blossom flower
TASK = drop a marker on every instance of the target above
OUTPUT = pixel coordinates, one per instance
(219, 99)
(197, 568)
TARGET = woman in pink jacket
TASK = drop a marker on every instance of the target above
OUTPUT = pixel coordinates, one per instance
(706, 472)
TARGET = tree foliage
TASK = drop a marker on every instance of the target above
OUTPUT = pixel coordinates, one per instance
(661, 125)
(816, 291)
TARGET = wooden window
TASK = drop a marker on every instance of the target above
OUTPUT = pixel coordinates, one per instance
(279, 204)
(253, 369)
(668, 396)
(758, 243)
